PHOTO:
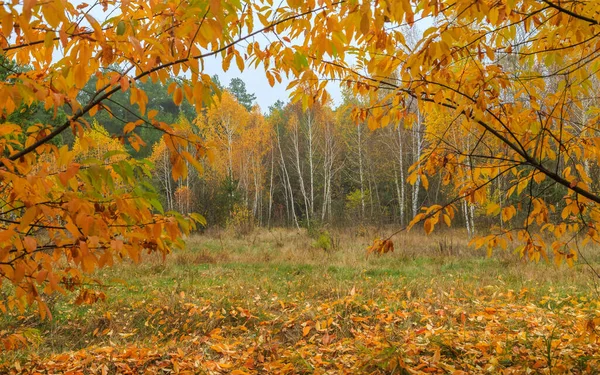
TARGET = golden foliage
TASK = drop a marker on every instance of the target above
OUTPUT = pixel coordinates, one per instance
(97, 144)
(519, 77)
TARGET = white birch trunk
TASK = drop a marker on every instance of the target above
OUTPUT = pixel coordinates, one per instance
(289, 185)
(402, 182)
(310, 126)
(296, 142)
(417, 148)
(360, 171)
(271, 186)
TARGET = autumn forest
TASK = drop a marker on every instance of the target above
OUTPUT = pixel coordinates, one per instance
(423, 199)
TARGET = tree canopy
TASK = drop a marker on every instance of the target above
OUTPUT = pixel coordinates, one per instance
(238, 88)
(496, 87)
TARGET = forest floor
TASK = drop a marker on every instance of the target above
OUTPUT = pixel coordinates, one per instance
(273, 302)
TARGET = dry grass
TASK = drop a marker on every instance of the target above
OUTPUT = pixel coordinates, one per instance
(441, 253)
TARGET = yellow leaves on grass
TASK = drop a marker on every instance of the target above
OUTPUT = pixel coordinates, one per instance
(306, 330)
(470, 329)
(89, 297)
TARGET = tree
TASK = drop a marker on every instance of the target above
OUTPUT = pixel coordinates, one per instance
(245, 139)
(7, 68)
(96, 143)
(525, 119)
(162, 172)
(516, 75)
(238, 88)
(332, 162)
(223, 125)
(93, 216)
(257, 144)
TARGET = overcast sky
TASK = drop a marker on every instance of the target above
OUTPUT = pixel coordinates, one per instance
(257, 83)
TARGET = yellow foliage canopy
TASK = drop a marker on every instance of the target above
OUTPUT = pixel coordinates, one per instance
(96, 143)
(517, 79)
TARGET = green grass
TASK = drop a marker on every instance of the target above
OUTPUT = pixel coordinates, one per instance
(279, 276)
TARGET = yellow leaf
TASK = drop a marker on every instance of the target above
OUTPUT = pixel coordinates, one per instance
(227, 61)
(192, 160)
(539, 177)
(19, 272)
(30, 243)
(365, 24)
(508, 213)
(198, 94)
(239, 61)
(124, 83)
(447, 220)
(27, 7)
(129, 127)
(306, 330)
(80, 76)
(142, 100)
(178, 96)
(270, 79)
(98, 33)
(28, 217)
(428, 225)
(94, 110)
(492, 209)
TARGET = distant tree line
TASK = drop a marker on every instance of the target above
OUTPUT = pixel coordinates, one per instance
(288, 167)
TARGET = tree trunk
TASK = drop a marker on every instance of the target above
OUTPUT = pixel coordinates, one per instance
(328, 161)
(417, 146)
(296, 142)
(402, 183)
(287, 180)
(310, 125)
(271, 186)
(360, 172)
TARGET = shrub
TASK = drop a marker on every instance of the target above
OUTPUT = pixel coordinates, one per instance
(241, 220)
(324, 241)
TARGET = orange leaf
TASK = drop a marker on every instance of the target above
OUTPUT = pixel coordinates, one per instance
(178, 96)
(306, 330)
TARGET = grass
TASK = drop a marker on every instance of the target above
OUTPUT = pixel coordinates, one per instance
(246, 303)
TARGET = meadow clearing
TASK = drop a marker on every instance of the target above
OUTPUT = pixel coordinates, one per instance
(273, 302)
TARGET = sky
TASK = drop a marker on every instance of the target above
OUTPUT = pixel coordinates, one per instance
(257, 83)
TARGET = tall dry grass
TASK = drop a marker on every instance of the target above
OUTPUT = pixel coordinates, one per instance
(439, 254)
